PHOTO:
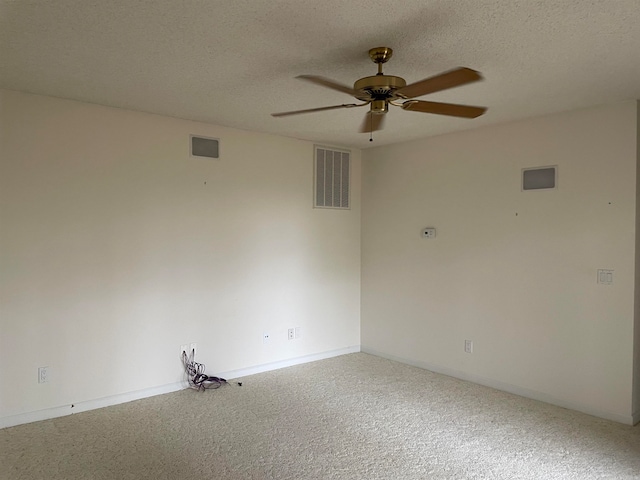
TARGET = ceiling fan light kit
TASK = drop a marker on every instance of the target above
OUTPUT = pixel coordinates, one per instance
(380, 90)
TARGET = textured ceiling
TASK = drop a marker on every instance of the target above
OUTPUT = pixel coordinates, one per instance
(233, 63)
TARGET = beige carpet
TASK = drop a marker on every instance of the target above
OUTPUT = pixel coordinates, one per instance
(350, 417)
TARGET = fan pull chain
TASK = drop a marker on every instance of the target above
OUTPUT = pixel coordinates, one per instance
(371, 126)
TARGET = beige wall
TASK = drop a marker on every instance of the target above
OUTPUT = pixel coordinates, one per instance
(116, 248)
(513, 271)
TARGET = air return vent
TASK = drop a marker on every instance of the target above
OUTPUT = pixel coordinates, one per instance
(332, 178)
(204, 147)
(539, 178)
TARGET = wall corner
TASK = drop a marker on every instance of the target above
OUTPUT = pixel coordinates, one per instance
(635, 402)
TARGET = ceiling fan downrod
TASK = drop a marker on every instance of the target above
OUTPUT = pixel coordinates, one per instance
(380, 55)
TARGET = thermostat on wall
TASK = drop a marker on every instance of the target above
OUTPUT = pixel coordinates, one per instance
(428, 232)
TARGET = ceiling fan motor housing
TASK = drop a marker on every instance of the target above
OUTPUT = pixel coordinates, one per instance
(378, 87)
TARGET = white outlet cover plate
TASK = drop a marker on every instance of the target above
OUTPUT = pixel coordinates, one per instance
(43, 375)
(605, 277)
(468, 346)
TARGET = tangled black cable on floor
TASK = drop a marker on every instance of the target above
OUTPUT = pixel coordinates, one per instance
(198, 380)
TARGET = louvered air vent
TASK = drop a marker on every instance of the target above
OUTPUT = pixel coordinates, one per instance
(332, 175)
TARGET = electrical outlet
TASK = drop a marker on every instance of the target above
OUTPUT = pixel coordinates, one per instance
(468, 346)
(298, 332)
(605, 277)
(193, 348)
(291, 334)
(43, 375)
(266, 338)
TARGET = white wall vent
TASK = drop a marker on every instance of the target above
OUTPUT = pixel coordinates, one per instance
(204, 147)
(332, 178)
(539, 178)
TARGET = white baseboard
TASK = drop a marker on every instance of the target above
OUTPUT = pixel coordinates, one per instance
(70, 409)
(507, 387)
(244, 372)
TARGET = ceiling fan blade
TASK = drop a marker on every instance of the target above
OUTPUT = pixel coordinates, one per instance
(326, 82)
(372, 122)
(438, 108)
(319, 109)
(450, 79)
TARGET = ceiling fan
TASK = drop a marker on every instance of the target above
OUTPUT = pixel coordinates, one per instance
(380, 91)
